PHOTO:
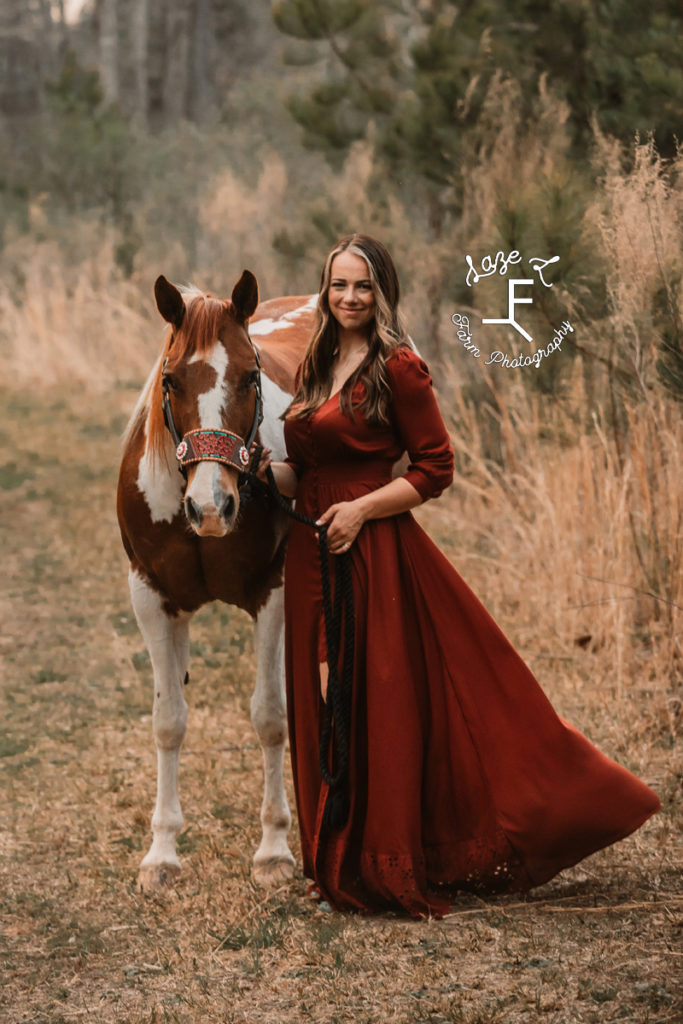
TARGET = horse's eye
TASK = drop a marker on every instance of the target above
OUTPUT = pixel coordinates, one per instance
(169, 381)
(250, 379)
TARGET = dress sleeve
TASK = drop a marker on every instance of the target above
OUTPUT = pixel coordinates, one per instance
(419, 424)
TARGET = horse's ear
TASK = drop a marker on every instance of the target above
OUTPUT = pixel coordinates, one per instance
(169, 301)
(245, 296)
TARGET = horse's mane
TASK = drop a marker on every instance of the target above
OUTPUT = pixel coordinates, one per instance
(196, 336)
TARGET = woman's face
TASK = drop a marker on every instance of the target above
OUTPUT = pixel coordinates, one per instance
(350, 295)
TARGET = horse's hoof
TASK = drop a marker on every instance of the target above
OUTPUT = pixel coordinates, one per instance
(273, 871)
(157, 876)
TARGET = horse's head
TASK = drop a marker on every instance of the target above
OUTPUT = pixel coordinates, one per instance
(210, 379)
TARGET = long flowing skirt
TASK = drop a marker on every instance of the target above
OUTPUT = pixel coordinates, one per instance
(462, 775)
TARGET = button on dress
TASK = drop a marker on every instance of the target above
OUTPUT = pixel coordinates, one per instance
(462, 775)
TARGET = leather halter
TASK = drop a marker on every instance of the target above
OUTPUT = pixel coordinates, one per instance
(210, 445)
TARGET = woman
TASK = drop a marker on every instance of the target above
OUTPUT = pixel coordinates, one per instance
(460, 774)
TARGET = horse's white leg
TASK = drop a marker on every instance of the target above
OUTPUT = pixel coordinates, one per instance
(167, 640)
(273, 860)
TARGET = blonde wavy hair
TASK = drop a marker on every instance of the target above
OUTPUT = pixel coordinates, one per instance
(386, 334)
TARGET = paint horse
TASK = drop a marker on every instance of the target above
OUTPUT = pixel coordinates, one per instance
(191, 536)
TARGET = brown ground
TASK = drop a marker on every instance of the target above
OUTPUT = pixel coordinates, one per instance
(600, 943)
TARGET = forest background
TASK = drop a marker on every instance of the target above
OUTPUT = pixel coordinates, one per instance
(197, 137)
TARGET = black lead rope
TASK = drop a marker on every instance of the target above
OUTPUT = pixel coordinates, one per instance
(338, 613)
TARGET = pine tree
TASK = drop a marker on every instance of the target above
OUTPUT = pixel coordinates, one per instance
(415, 77)
(421, 70)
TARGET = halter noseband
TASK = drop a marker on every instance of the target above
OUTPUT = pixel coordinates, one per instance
(209, 445)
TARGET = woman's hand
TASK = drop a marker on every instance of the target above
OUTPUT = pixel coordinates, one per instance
(347, 517)
(345, 520)
(264, 461)
(285, 477)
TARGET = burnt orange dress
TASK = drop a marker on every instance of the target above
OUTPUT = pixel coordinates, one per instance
(462, 776)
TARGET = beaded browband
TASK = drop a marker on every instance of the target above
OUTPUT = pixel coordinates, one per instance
(213, 445)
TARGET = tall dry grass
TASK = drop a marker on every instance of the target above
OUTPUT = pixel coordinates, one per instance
(64, 324)
(573, 502)
(546, 537)
(637, 219)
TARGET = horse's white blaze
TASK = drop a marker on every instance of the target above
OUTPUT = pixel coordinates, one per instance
(269, 717)
(161, 489)
(260, 328)
(207, 488)
(212, 402)
(271, 432)
(167, 640)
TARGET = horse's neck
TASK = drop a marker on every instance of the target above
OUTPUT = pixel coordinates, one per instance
(271, 431)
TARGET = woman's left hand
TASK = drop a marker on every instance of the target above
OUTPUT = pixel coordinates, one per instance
(264, 461)
(345, 520)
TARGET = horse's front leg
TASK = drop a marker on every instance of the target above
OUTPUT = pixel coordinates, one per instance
(167, 640)
(273, 860)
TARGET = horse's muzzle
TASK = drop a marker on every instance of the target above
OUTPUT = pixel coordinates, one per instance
(211, 515)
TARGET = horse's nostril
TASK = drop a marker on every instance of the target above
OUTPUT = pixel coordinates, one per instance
(193, 512)
(227, 509)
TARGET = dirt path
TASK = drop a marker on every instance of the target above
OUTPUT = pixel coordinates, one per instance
(601, 943)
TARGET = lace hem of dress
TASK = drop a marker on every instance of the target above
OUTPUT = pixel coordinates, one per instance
(402, 881)
(486, 864)
(424, 885)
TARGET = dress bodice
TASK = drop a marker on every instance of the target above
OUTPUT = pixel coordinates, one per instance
(330, 446)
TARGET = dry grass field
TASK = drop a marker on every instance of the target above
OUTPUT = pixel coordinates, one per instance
(600, 943)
